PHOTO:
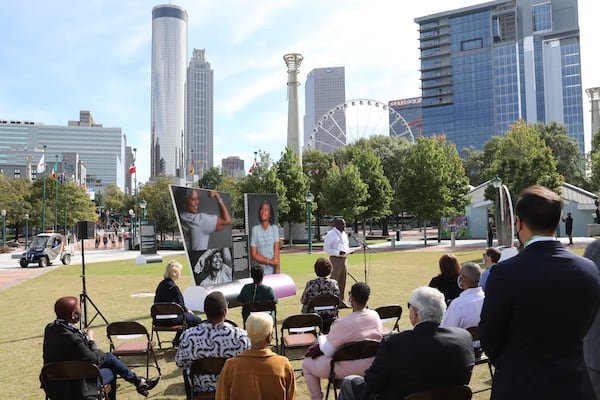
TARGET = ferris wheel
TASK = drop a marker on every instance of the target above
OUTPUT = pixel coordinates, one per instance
(356, 119)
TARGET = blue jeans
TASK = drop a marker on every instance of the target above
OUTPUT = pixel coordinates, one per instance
(116, 367)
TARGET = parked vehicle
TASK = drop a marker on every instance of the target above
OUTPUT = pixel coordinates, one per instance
(45, 249)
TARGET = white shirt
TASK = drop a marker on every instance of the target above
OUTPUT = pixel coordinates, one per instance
(465, 310)
(336, 241)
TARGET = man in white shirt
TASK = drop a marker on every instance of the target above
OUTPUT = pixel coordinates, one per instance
(464, 311)
(337, 246)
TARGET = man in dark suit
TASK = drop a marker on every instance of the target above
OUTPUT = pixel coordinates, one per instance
(429, 356)
(591, 341)
(538, 307)
(63, 341)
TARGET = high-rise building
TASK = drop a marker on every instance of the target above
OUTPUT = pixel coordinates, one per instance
(485, 66)
(234, 166)
(199, 118)
(411, 110)
(325, 88)
(88, 153)
(169, 59)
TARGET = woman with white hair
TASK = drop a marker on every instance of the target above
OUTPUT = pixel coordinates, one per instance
(167, 291)
(257, 373)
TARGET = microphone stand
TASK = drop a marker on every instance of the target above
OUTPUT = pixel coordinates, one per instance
(364, 247)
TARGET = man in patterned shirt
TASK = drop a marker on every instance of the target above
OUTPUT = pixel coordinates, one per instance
(212, 338)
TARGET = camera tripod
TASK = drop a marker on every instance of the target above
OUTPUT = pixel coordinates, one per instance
(84, 298)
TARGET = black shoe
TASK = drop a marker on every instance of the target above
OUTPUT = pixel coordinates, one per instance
(146, 385)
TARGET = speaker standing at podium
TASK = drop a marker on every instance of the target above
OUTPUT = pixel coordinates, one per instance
(337, 246)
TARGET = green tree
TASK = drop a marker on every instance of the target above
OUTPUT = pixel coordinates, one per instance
(315, 165)
(433, 182)
(157, 194)
(569, 161)
(377, 204)
(474, 165)
(231, 185)
(522, 159)
(211, 179)
(291, 176)
(13, 194)
(595, 162)
(344, 193)
(114, 201)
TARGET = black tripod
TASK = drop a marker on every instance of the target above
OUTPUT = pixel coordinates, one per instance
(84, 298)
(364, 248)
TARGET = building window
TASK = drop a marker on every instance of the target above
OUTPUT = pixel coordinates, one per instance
(17, 173)
(542, 17)
(471, 44)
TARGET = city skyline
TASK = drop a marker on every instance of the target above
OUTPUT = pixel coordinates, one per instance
(66, 57)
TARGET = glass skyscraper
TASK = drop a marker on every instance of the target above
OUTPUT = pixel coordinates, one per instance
(484, 67)
(325, 88)
(169, 59)
(199, 118)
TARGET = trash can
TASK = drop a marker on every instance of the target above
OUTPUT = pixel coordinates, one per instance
(129, 246)
(397, 235)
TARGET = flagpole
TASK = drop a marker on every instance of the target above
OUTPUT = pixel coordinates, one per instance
(44, 193)
(64, 181)
(54, 170)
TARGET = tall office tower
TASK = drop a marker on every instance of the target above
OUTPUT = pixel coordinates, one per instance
(325, 88)
(199, 118)
(234, 166)
(169, 59)
(483, 67)
(411, 111)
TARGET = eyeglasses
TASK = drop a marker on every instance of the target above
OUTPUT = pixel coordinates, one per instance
(408, 305)
(485, 255)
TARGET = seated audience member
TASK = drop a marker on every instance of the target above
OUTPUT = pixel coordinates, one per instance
(359, 325)
(321, 285)
(63, 341)
(212, 338)
(167, 291)
(256, 290)
(445, 282)
(490, 258)
(426, 357)
(464, 311)
(257, 373)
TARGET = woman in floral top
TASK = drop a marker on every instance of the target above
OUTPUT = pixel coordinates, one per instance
(320, 285)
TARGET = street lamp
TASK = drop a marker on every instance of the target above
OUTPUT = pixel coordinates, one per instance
(26, 230)
(143, 205)
(132, 228)
(309, 199)
(4, 228)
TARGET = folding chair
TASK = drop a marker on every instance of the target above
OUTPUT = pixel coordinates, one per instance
(302, 331)
(459, 392)
(263, 306)
(346, 352)
(390, 313)
(165, 318)
(480, 357)
(130, 338)
(202, 366)
(71, 371)
(327, 306)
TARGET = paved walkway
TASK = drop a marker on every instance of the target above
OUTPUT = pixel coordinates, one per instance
(12, 274)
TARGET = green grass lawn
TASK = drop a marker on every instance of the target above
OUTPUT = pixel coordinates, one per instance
(115, 287)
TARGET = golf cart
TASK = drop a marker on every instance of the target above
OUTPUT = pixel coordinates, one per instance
(45, 249)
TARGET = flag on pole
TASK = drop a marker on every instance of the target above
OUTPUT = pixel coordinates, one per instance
(192, 169)
(54, 169)
(62, 178)
(252, 167)
(132, 168)
(41, 167)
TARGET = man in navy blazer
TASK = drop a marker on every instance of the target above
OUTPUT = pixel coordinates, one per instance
(538, 307)
(426, 357)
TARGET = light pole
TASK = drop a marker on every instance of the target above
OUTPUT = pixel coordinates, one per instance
(55, 192)
(132, 228)
(26, 230)
(309, 199)
(4, 228)
(143, 205)
(44, 193)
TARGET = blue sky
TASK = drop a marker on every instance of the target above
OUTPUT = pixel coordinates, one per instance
(60, 57)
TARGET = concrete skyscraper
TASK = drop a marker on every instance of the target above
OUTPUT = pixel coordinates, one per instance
(485, 66)
(199, 118)
(325, 88)
(169, 59)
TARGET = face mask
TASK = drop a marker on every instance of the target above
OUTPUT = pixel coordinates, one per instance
(483, 260)
(458, 282)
